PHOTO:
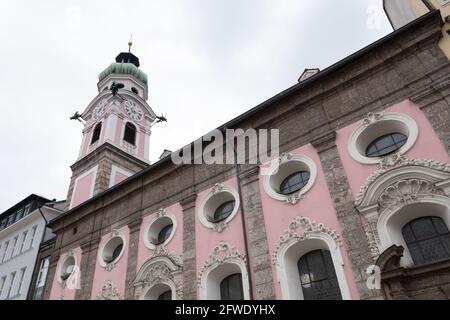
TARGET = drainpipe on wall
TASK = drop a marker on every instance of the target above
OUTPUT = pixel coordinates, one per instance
(244, 228)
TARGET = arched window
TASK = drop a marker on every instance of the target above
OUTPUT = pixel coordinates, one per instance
(428, 239)
(386, 145)
(318, 277)
(130, 133)
(231, 288)
(167, 295)
(96, 134)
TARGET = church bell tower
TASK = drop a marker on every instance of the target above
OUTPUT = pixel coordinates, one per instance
(116, 134)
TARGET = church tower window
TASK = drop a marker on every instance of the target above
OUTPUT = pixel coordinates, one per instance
(130, 133)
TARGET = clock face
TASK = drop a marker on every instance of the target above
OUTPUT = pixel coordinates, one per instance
(99, 110)
(133, 111)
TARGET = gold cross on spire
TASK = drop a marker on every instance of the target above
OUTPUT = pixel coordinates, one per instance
(130, 43)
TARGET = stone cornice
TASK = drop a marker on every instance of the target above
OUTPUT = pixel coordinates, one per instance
(325, 141)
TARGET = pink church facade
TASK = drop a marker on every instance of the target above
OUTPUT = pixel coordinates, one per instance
(135, 230)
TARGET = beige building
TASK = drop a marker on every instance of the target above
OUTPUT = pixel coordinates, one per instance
(402, 12)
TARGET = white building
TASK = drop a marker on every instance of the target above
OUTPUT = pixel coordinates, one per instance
(22, 230)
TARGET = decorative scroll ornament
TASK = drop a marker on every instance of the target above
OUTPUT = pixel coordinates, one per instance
(372, 117)
(218, 187)
(161, 251)
(309, 228)
(294, 198)
(161, 273)
(115, 233)
(285, 157)
(161, 213)
(406, 192)
(222, 253)
(109, 292)
(220, 226)
(370, 229)
(399, 162)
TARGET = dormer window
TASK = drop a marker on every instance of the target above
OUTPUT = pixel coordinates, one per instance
(130, 133)
(96, 134)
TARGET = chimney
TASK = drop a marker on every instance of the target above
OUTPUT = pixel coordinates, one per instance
(308, 73)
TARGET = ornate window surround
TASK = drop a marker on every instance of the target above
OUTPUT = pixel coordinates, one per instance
(213, 199)
(161, 214)
(114, 234)
(376, 125)
(293, 245)
(224, 261)
(67, 255)
(275, 177)
(406, 184)
(165, 269)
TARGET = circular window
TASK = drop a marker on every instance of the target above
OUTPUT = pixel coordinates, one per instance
(160, 231)
(112, 250)
(386, 145)
(291, 177)
(223, 211)
(164, 234)
(219, 207)
(381, 135)
(67, 268)
(294, 182)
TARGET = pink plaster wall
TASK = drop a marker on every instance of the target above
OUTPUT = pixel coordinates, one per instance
(58, 292)
(206, 239)
(119, 177)
(175, 245)
(141, 146)
(427, 146)
(316, 205)
(118, 274)
(82, 189)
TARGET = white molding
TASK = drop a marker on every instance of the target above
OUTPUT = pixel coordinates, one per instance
(62, 260)
(293, 246)
(116, 169)
(274, 171)
(164, 269)
(224, 261)
(372, 126)
(83, 175)
(210, 200)
(161, 214)
(114, 234)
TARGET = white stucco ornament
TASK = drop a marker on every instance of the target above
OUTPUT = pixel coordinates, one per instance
(133, 111)
(109, 292)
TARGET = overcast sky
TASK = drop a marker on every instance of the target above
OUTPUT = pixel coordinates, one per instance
(208, 61)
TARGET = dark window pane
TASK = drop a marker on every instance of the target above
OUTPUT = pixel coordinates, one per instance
(407, 234)
(223, 211)
(164, 234)
(386, 144)
(294, 182)
(130, 133)
(165, 295)
(429, 240)
(96, 134)
(231, 288)
(117, 252)
(318, 277)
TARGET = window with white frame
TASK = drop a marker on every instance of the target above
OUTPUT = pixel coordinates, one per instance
(5, 251)
(24, 238)
(42, 277)
(2, 285)
(22, 276)
(13, 249)
(33, 235)
(11, 284)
